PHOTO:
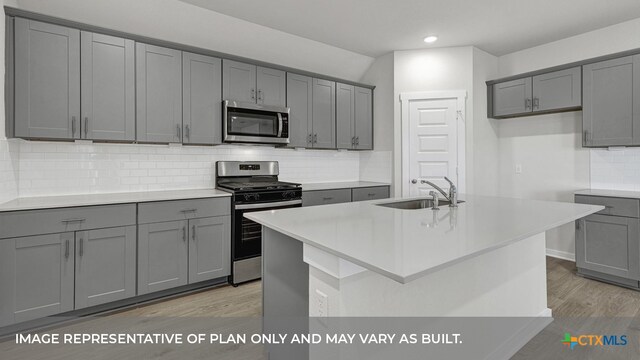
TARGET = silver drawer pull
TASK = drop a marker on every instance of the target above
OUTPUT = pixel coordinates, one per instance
(370, 194)
(193, 234)
(66, 249)
(73, 220)
(327, 198)
(184, 233)
(188, 211)
(81, 246)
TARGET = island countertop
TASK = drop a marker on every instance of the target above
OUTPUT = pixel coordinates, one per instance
(407, 244)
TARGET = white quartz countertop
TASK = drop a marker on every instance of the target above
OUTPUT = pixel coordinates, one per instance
(340, 185)
(407, 244)
(610, 193)
(48, 202)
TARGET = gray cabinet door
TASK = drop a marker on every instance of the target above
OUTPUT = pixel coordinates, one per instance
(324, 197)
(299, 101)
(324, 114)
(36, 277)
(209, 248)
(512, 97)
(238, 81)
(364, 118)
(105, 265)
(609, 244)
(608, 118)
(107, 87)
(202, 99)
(271, 85)
(345, 116)
(162, 256)
(557, 90)
(369, 193)
(158, 94)
(47, 80)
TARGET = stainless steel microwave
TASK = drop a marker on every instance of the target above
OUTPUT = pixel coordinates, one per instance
(254, 123)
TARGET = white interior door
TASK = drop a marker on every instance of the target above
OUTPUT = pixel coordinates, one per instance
(434, 140)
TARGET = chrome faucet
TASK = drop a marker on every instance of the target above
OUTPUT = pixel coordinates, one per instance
(436, 200)
(453, 191)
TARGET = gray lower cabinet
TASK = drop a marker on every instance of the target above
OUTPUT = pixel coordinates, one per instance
(158, 94)
(325, 197)
(324, 114)
(369, 193)
(608, 246)
(201, 99)
(47, 80)
(105, 266)
(162, 256)
(354, 119)
(300, 103)
(107, 88)
(611, 114)
(209, 248)
(36, 277)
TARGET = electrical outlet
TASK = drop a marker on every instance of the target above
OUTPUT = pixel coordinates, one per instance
(322, 303)
(518, 168)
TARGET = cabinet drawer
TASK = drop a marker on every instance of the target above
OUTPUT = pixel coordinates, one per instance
(49, 221)
(370, 193)
(613, 206)
(323, 197)
(182, 209)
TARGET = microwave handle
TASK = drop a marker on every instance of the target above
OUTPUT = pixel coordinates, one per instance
(279, 124)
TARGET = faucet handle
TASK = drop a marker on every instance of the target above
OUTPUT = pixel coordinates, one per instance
(453, 186)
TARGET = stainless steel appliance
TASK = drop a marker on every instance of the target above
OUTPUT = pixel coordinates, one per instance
(254, 123)
(255, 187)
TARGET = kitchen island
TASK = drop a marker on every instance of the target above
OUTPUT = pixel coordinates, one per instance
(485, 258)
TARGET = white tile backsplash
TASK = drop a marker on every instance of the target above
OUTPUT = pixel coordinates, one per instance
(376, 166)
(50, 168)
(617, 169)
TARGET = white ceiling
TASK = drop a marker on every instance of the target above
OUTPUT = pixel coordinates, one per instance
(375, 27)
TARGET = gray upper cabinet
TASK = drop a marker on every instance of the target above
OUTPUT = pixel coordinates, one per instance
(544, 93)
(202, 99)
(47, 81)
(611, 115)
(238, 81)
(324, 114)
(158, 94)
(162, 256)
(36, 277)
(345, 116)
(557, 90)
(299, 101)
(209, 248)
(105, 265)
(512, 97)
(354, 119)
(249, 83)
(107, 88)
(271, 85)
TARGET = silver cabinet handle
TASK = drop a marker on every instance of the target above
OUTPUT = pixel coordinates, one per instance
(178, 131)
(73, 220)
(66, 249)
(371, 194)
(188, 211)
(187, 131)
(327, 198)
(315, 138)
(357, 140)
(81, 246)
(536, 103)
(73, 126)
(253, 94)
(86, 127)
(260, 95)
(193, 234)
(309, 139)
(184, 233)
(586, 136)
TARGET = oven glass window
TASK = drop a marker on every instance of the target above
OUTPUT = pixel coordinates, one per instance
(252, 123)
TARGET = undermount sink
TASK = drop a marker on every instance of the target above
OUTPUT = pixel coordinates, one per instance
(416, 204)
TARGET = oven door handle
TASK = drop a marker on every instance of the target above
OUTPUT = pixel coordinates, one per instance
(267, 205)
(279, 125)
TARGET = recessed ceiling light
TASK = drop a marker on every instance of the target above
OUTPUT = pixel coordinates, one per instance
(430, 39)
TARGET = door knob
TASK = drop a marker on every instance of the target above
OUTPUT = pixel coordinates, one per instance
(414, 181)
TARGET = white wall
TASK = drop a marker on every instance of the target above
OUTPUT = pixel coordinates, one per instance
(377, 165)
(549, 146)
(431, 70)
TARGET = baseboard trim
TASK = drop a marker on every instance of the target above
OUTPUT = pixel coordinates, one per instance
(564, 255)
(522, 336)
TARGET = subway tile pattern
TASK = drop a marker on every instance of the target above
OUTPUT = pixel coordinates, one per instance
(8, 169)
(615, 169)
(376, 166)
(60, 168)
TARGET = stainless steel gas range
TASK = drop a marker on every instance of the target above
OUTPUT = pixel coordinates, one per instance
(255, 187)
